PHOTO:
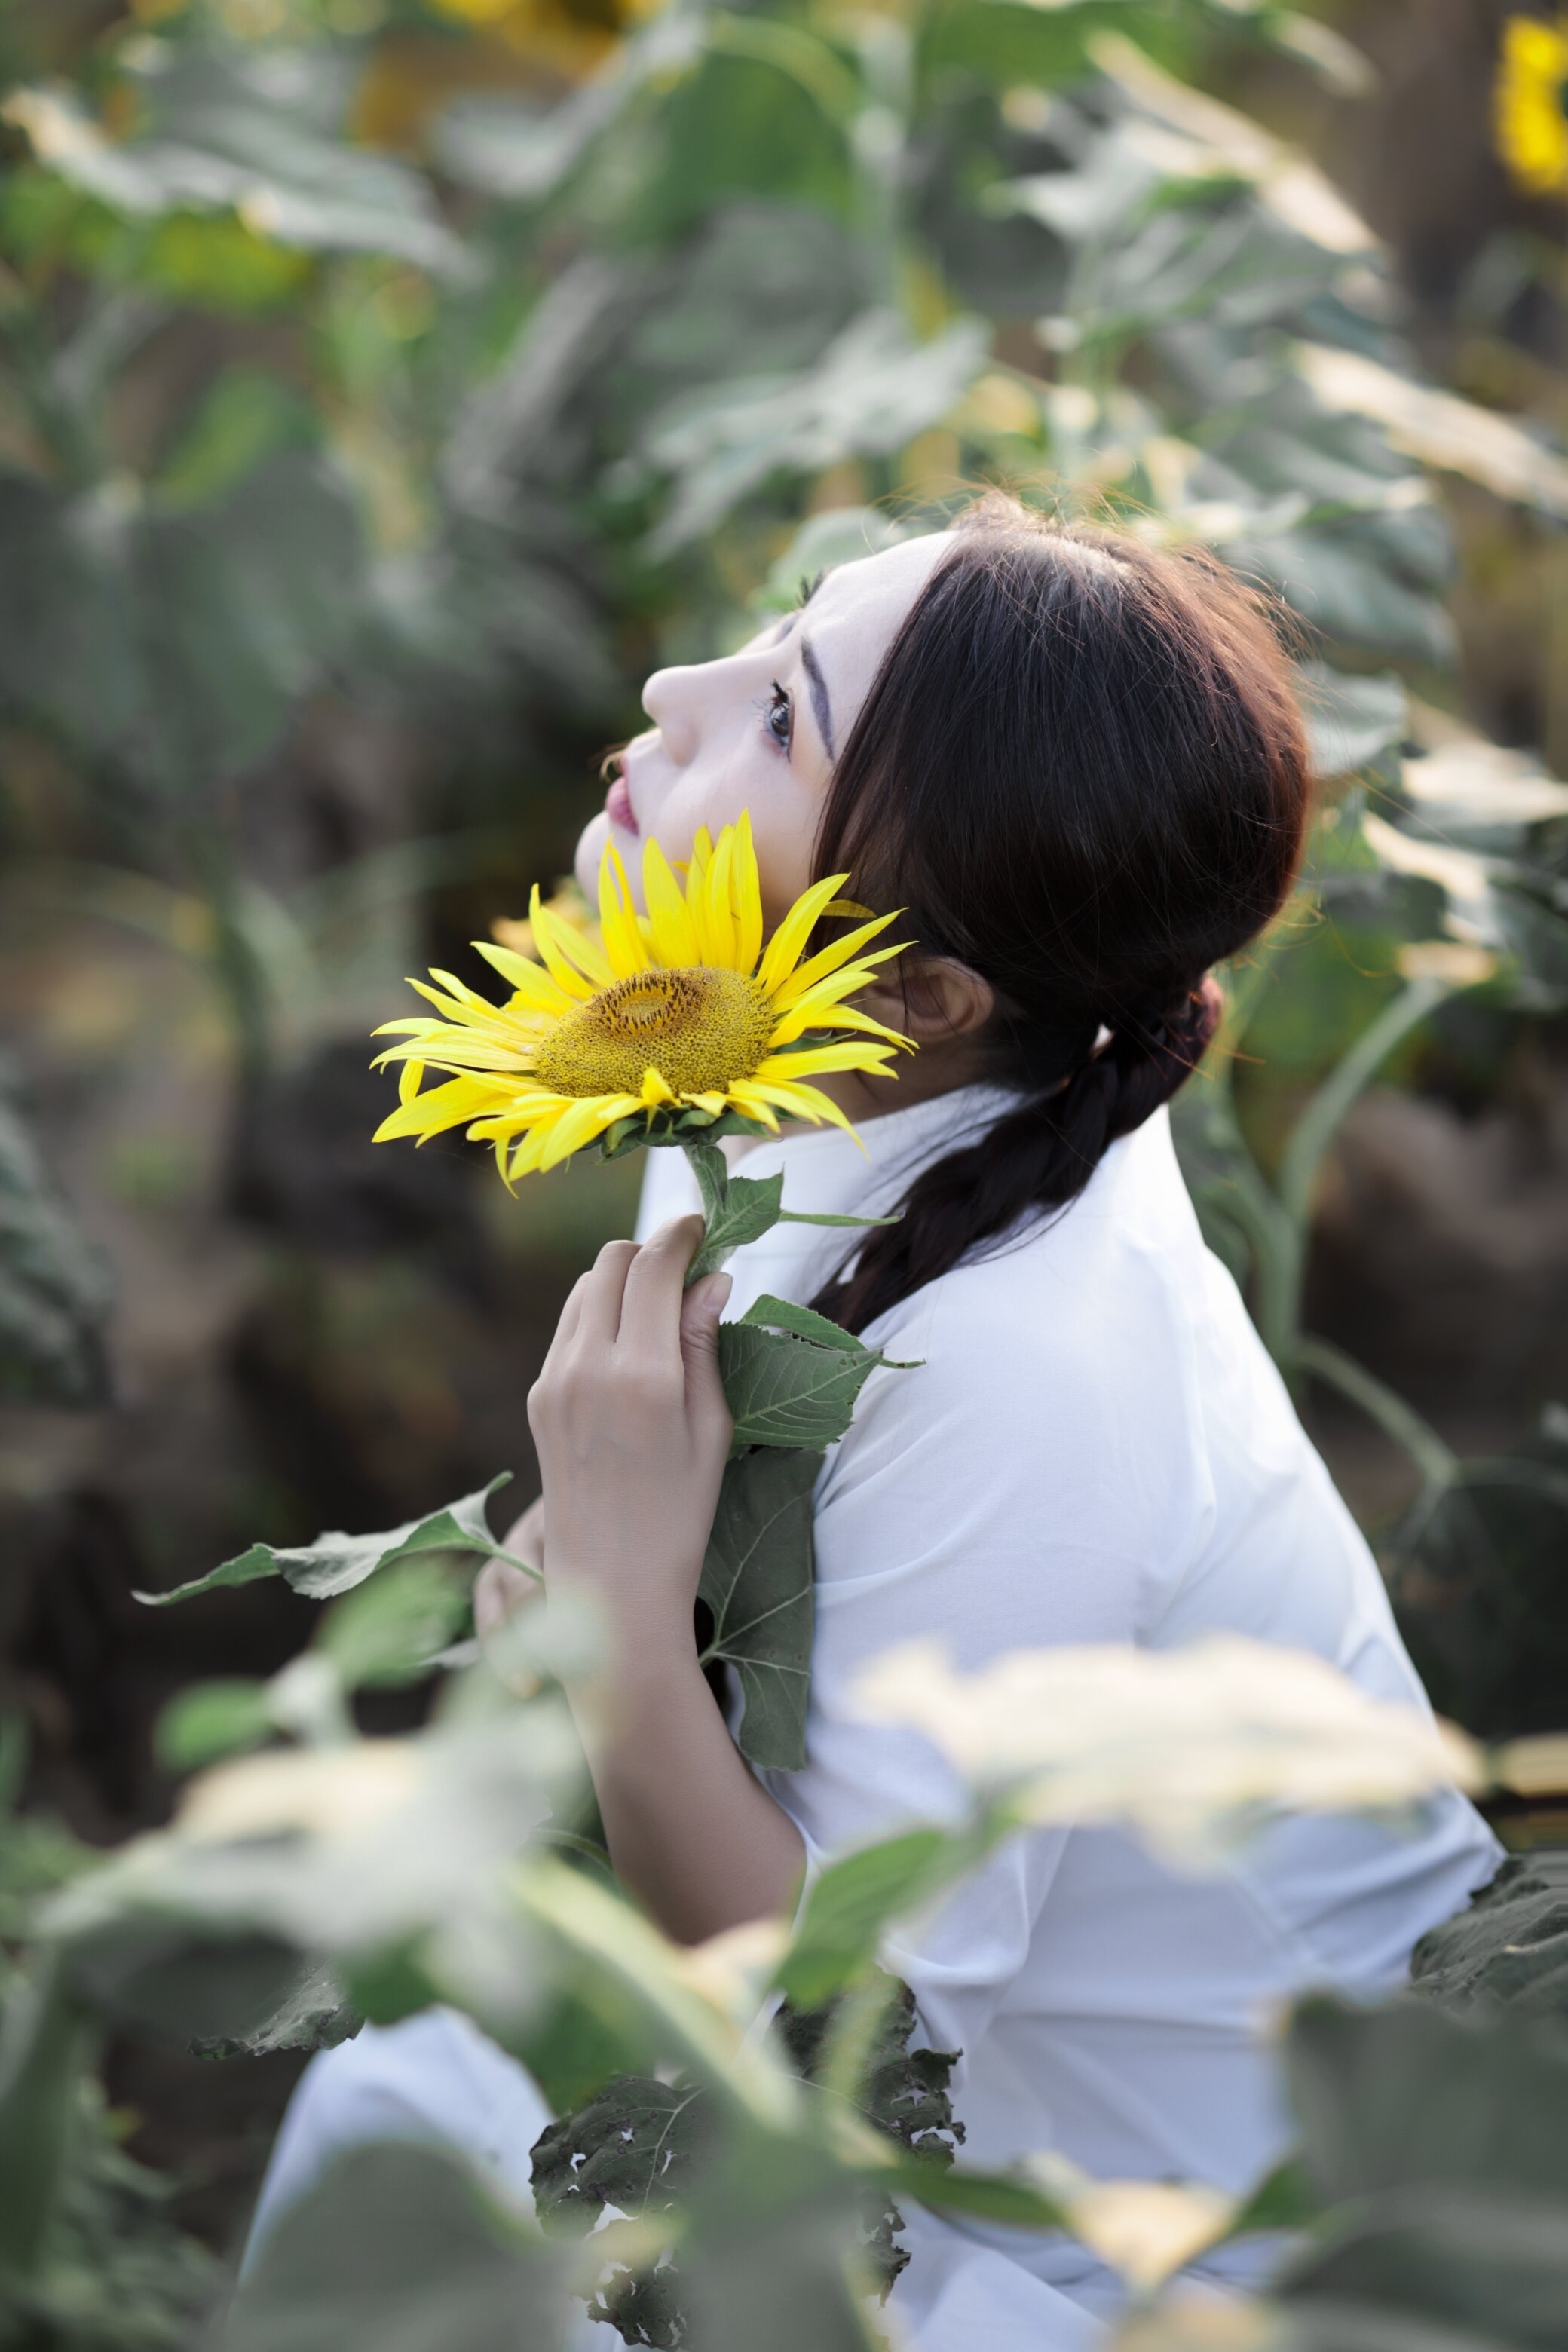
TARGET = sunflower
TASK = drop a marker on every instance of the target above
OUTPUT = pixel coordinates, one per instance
(661, 1028)
(1531, 104)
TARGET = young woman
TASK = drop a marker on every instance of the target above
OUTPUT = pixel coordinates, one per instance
(1076, 762)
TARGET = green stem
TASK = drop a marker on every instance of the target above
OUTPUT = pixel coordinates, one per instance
(1319, 1124)
(1438, 1463)
(710, 1169)
(37, 2111)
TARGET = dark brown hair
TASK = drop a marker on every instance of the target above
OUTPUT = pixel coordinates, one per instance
(1082, 771)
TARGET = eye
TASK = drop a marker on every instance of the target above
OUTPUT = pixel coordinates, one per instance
(779, 718)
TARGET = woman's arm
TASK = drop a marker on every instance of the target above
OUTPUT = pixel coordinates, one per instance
(632, 1429)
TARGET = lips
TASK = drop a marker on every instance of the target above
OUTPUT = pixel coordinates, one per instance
(618, 805)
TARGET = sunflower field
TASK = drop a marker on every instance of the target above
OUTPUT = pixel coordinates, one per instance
(386, 388)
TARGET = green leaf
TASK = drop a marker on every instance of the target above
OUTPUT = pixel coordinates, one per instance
(1351, 720)
(45, 2054)
(857, 1895)
(901, 2092)
(1008, 2197)
(757, 1584)
(781, 1314)
(633, 2147)
(390, 1630)
(839, 535)
(400, 2245)
(787, 1392)
(870, 391)
(1509, 1949)
(336, 1562)
(1283, 2199)
(206, 1720)
(746, 1208)
(314, 2014)
(53, 1287)
(1493, 2262)
(1391, 2098)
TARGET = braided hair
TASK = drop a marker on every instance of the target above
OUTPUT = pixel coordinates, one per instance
(1082, 771)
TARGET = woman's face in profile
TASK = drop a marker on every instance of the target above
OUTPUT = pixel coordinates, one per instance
(760, 729)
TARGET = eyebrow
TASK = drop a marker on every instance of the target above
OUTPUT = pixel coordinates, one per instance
(819, 701)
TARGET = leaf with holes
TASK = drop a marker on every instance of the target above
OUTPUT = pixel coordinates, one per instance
(786, 1390)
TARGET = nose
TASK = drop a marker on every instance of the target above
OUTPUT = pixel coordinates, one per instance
(670, 698)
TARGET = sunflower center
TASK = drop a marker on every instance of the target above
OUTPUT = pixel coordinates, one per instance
(700, 1028)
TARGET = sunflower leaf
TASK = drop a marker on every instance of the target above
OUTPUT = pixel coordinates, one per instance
(746, 1210)
(336, 1562)
(782, 1314)
(786, 1390)
(757, 1584)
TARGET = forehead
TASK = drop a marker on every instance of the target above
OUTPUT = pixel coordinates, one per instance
(860, 608)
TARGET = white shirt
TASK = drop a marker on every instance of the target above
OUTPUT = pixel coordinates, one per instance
(1096, 1448)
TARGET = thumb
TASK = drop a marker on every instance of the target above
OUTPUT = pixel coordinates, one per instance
(700, 1312)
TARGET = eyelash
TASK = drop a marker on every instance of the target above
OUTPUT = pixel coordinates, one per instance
(776, 701)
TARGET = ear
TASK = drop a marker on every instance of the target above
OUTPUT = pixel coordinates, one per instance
(931, 999)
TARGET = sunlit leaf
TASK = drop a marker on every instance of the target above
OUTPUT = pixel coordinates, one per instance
(1188, 1748)
(336, 1562)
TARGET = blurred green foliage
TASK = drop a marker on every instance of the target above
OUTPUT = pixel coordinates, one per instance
(449, 366)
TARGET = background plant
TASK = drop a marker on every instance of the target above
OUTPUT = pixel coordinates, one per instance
(384, 390)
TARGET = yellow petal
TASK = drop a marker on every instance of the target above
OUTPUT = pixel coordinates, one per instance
(813, 1060)
(531, 1151)
(551, 937)
(459, 991)
(792, 933)
(625, 943)
(745, 1099)
(410, 1078)
(530, 980)
(746, 897)
(833, 958)
(674, 932)
(833, 1016)
(708, 895)
(585, 1121)
(806, 1102)
(452, 1105)
(654, 1090)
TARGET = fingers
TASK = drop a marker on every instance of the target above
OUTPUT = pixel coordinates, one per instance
(700, 1312)
(499, 1590)
(651, 1301)
(525, 1537)
(567, 1329)
(599, 1311)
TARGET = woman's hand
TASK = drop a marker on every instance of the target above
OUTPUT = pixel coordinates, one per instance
(633, 1431)
(499, 1590)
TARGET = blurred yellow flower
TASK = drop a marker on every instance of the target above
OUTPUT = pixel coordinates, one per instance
(1532, 103)
(565, 904)
(668, 1022)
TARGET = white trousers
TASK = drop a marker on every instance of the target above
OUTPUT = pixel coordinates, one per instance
(436, 2078)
